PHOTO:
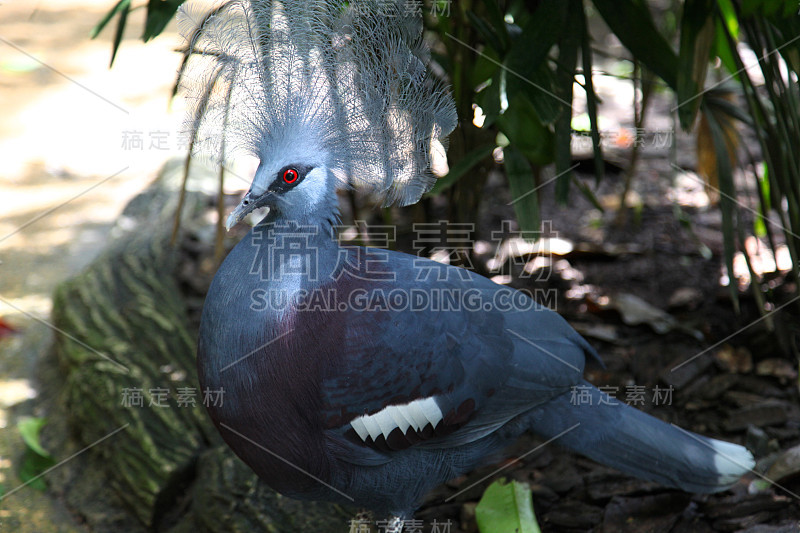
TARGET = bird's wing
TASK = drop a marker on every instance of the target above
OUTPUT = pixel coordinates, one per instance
(435, 355)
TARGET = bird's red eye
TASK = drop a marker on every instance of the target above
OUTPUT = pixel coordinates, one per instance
(290, 175)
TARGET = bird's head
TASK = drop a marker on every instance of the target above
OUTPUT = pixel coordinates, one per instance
(325, 95)
(293, 186)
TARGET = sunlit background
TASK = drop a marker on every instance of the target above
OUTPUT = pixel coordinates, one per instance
(77, 141)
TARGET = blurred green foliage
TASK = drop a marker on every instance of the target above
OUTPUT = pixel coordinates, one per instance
(514, 64)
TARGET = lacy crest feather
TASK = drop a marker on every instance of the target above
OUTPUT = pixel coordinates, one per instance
(346, 79)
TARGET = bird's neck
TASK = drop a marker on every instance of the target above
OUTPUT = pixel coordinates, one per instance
(325, 222)
(296, 250)
(324, 214)
(253, 295)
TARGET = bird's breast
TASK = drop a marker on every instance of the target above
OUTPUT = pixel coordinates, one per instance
(267, 362)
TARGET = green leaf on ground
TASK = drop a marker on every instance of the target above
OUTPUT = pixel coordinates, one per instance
(30, 428)
(32, 466)
(506, 508)
(36, 459)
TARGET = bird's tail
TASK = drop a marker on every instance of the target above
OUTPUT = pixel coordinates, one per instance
(610, 432)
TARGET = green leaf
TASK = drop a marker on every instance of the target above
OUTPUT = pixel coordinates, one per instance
(589, 195)
(728, 14)
(506, 508)
(727, 196)
(567, 58)
(122, 4)
(489, 99)
(521, 125)
(31, 467)
(759, 227)
(159, 13)
(544, 28)
(497, 20)
(759, 223)
(722, 49)
(464, 165)
(768, 8)
(484, 68)
(786, 41)
(632, 23)
(526, 60)
(486, 31)
(30, 429)
(541, 89)
(591, 100)
(749, 7)
(123, 18)
(764, 184)
(523, 189)
(771, 7)
(36, 459)
(697, 36)
(715, 99)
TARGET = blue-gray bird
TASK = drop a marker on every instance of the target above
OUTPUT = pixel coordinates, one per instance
(361, 375)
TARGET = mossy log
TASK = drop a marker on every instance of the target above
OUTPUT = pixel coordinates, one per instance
(127, 336)
(125, 340)
(239, 503)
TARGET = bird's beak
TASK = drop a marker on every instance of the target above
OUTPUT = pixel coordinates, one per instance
(244, 208)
